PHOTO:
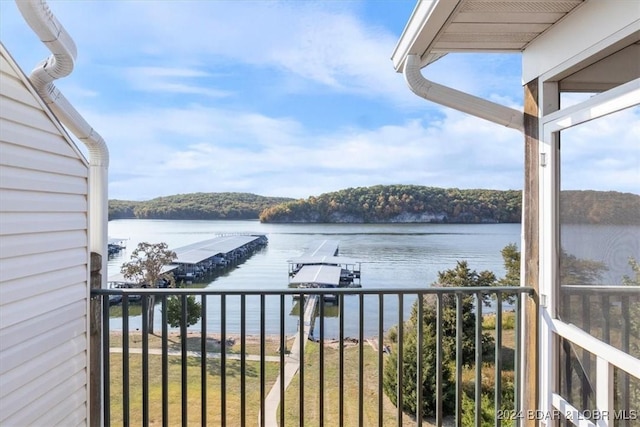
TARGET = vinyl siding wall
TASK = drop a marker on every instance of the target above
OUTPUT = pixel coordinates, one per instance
(44, 263)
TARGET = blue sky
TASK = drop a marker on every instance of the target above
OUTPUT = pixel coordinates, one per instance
(280, 99)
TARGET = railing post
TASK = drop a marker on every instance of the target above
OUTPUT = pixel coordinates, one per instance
(95, 339)
(604, 391)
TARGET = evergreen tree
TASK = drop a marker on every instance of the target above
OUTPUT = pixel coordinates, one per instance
(511, 259)
(460, 276)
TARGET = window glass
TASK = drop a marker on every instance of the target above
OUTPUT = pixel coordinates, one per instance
(599, 274)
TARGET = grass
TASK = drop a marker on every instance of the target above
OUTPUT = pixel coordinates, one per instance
(116, 310)
(312, 391)
(508, 321)
(331, 390)
(193, 382)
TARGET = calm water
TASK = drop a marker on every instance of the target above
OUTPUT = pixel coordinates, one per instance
(392, 255)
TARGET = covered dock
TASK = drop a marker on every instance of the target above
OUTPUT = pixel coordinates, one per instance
(321, 267)
(115, 245)
(350, 267)
(199, 258)
(321, 276)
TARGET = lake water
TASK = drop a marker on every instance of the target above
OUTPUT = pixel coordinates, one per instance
(392, 255)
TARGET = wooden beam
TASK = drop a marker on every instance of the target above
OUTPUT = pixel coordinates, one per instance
(95, 341)
(531, 230)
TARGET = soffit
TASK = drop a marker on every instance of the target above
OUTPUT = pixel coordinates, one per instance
(438, 27)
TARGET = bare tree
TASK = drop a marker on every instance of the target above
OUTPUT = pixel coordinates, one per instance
(145, 269)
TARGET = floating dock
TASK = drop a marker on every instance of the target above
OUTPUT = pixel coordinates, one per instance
(115, 245)
(198, 259)
(321, 267)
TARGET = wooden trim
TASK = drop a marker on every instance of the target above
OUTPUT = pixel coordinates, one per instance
(95, 341)
(530, 225)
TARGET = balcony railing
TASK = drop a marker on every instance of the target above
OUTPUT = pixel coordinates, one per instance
(236, 366)
(610, 315)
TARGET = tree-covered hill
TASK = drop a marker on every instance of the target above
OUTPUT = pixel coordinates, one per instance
(401, 203)
(413, 203)
(195, 206)
(383, 204)
(599, 207)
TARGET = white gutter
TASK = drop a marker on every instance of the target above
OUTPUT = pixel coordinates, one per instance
(458, 100)
(60, 64)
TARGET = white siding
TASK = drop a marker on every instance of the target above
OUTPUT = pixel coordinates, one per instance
(44, 260)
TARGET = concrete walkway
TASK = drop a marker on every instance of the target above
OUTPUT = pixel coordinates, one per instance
(291, 365)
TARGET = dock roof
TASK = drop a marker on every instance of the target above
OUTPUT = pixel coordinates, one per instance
(116, 240)
(200, 251)
(317, 274)
(119, 277)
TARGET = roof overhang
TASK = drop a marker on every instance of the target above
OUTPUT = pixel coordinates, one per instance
(438, 27)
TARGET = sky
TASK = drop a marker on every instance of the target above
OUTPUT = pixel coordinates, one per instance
(291, 99)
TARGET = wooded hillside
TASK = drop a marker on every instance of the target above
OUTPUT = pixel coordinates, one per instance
(195, 206)
(401, 203)
(413, 203)
(599, 207)
(383, 203)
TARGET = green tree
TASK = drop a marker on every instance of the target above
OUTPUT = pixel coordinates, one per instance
(174, 311)
(145, 269)
(635, 267)
(460, 276)
(511, 260)
(409, 374)
(577, 271)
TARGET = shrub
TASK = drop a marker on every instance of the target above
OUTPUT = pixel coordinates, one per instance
(174, 311)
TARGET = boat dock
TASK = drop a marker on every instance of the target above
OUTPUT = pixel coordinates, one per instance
(198, 259)
(115, 245)
(321, 267)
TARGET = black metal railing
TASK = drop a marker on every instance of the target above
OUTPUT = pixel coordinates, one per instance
(202, 375)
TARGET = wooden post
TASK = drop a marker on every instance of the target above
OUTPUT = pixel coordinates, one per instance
(95, 340)
(531, 209)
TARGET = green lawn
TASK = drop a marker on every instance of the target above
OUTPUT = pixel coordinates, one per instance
(252, 376)
(193, 380)
(331, 390)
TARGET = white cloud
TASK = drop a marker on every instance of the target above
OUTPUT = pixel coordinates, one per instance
(188, 48)
(322, 43)
(206, 149)
(171, 80)
(603, 154)
(159, 152)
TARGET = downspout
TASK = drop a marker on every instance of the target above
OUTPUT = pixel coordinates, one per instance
(458, 100)
(60, 64)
